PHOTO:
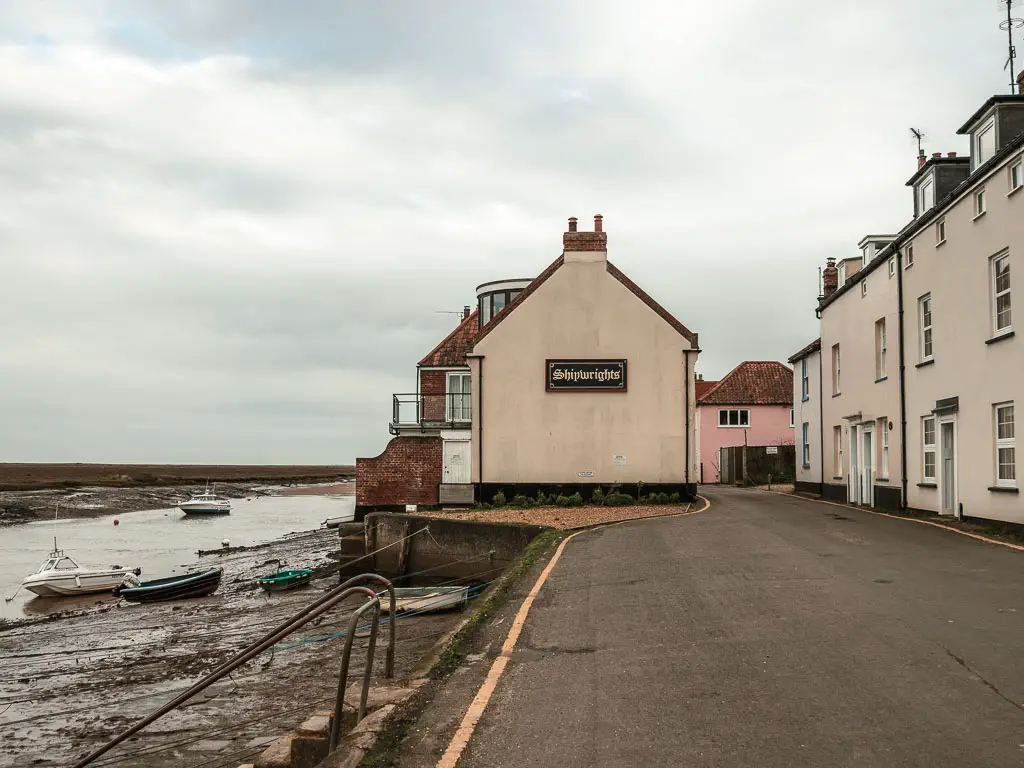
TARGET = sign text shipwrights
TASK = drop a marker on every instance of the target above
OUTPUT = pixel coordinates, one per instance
(586, 376)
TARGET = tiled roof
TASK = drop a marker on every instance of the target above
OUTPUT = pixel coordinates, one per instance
(814, 346)
(755, 382)
(452, 351)
(702, 387)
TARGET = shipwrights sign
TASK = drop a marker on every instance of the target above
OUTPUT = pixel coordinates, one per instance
(586, 376)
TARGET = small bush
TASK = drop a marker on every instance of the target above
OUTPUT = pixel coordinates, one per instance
(498, 500)
(618, 500)
(576, 500)
(541, 499)
(597, 497)
(522, 502)
(673, 498)
(661, 498)
(562, 501)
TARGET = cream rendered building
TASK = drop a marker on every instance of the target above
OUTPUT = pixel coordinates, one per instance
(921, 367)
(574, 380)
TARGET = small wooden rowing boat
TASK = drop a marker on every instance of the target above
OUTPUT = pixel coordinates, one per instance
(427, 599)
(283, 580)
(173, 588)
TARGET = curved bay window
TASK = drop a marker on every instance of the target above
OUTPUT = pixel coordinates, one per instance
(491, 303)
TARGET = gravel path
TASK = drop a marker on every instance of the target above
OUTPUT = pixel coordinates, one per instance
(561, 517)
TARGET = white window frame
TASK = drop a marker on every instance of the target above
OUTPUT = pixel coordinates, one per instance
(842, 273)
(806, 442)
(910, 256)
(926, 335)
(926, 193)
(940, 231)
(462, 413)
(1008, 442)
(863, 288)
(928, 448)
(741, 414)
(836, 370)
(979, 203)
(997, 294)
(892, 266)
(883, 453)
(837, 452)
(880, 349)
(1016, 169)
(805, 381)
(792, 417)
(990, 125)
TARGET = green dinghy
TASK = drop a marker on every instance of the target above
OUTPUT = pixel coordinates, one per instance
(283, 580)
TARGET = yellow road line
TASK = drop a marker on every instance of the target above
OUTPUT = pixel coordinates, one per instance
(476, 708)
(977, 536)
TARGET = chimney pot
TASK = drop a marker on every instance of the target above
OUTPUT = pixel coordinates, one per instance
(572, 223)
(936, 154)
(465, 312)
(598, 222)
(951, 154)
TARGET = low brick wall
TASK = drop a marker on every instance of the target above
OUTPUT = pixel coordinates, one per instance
(445, 548)
(407, 472)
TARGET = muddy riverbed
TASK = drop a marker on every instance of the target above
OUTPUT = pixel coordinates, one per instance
(68, 682)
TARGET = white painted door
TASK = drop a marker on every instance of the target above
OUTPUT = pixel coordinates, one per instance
(456, 461)
(867, 468)
(947, 466)
(853, 480)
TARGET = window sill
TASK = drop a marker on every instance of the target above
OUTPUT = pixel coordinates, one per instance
(908, 265)
(927, 485)
(1014, 191)
(980, 215)
(940, 243)
(1001, 337)
(807, 466)
(734, 426)
(1003, 489)
(837, 394)
(884, 378)
(805, 398)
(837, 477)
(923, 363)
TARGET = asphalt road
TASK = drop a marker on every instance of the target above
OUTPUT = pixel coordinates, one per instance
(767, 631)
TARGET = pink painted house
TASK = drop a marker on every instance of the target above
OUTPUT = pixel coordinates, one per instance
(752, 405)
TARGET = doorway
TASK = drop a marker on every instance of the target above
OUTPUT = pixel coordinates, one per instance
(456, 461)
(867, 467)
(947, 466)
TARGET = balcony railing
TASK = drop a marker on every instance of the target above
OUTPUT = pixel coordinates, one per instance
(431, 411)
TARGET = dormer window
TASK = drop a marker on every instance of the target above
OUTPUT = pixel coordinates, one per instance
(985, 143)
(926, 195)
(842, 273)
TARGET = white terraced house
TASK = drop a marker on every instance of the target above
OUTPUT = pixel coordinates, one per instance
(920, 368)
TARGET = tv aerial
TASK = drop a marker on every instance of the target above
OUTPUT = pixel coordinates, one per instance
(919, 134)
(1009, 24)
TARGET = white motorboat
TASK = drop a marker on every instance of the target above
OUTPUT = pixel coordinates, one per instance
(206, 503)
(61, 576)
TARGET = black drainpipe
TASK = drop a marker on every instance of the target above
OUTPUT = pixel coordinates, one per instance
(903, 383)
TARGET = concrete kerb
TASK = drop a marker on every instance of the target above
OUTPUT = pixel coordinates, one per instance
(951, 529)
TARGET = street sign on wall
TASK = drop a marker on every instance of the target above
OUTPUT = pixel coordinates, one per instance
(585, 376)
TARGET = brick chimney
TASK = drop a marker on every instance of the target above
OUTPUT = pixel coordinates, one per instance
(830, 277)
(465, 313)
(590, 246)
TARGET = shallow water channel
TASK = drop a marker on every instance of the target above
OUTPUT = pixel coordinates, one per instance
(160, 541)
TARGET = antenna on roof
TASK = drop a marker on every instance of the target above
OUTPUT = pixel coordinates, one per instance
(1009, 24)
(918, 135)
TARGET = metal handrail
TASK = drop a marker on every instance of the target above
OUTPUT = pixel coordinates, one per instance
(300, 619)
(389, 659)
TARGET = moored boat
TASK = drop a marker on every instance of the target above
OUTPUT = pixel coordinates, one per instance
(199, 584)
(206, 503)
(60, 575)
(428, 599)
(284, 580)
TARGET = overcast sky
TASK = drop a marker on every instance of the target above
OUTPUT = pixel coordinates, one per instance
(227, 227)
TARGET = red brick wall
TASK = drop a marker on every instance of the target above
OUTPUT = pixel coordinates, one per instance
(407, 472)
(433, 385)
